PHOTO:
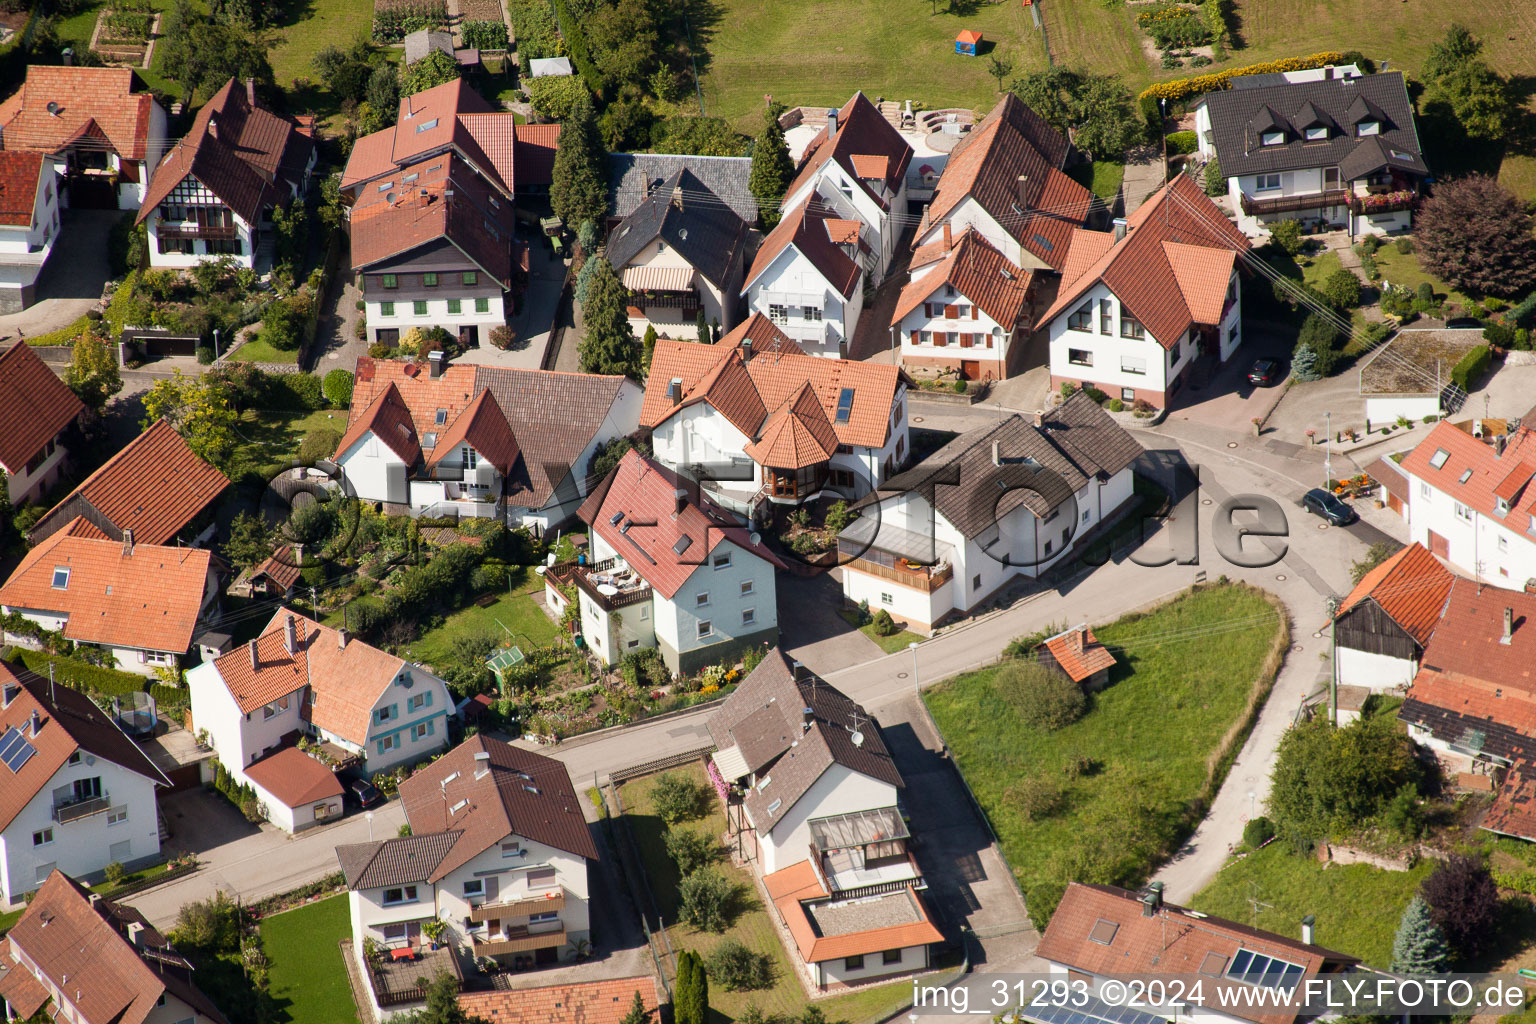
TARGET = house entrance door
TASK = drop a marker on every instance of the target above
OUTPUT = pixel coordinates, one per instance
(970, 369)
(1438, 545)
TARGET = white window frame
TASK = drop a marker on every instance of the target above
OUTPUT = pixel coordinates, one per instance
(474, 888)
(408, 894)
(701, 600)
(1317, 134)
(720, 560)
(1080, 356)
(1272, 139)
(748, 587)
(47, 833)
(117, 815)
(1266, 183)
(1367, 128)
(420, 731)
(749, 617)
(706, 629)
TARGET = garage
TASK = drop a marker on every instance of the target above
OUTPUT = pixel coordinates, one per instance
(188, 776)
(148, 344)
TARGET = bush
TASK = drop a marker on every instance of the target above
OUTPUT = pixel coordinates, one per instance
(1200, 60)
(211, 925)
(959, 387)
(502, 336)
(738, 969)
(1041, 902)
(1369, 244)
(1116, 405)
(318, 444)
(691, 849)
(1424, 292)
(1042, 697)
(677, 797)
(1287, 235)
(1404, 246)
(883, 624)
(1368, 267)
(1037, 797)
(1068, 389)
(706, 900)
(1258, 832)
(382, 350)
(1182, 143)
(1212, 81)
(114, 873)
(1464, 901)
(1329, 780)
(337, 388)
(1215, 182)
(204, 355)
(838, 516)
(1469, 370)
(485, 35)
(1342, 289)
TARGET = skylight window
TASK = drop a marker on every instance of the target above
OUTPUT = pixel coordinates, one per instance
(410, 177)
(682, 544)
(1103, 931)
(429, 439)
(456, 808)
(613, 520)
(1044, 243)
(441, 417)
(762, 783)
(426, 126)
(1438, 459)
(531, 789)
(1466, 475)
(61, 577)
(773, 808)
(386, 186)
(844, 405)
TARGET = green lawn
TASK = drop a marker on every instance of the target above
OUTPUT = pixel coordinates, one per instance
(1101, 177)
(274, 436)
(1357, 906)
(258, 351)
(1158, 740)
(897, 641)
(1403, 269)
(308, 980)
(516, 611)
(752, 926)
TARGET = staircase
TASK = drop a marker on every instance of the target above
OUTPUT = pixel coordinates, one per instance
(165, 829)
(266, 249)
(1452, 399)
(891, 111)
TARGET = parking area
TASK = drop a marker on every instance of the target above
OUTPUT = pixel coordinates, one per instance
(808, 615)
(1226, 399)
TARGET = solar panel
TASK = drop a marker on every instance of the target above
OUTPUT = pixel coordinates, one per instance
(1092, 1012)
(15, 751)
(1265, 971)
(844, 405)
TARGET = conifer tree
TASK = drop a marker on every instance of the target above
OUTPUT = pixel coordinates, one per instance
(1420, 945)
(578, 188)
(609, 344)
(772, 171)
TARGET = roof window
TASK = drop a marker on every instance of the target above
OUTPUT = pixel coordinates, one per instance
(1465, 475)
(844, 405)
(410, 177)
(441, 417)
(1103, 931)
(682, 544)
(426, 126)
(773, 808)
(1438, 459)
(456, 808)
(1273, 138)
(61, 577)
(386, 186)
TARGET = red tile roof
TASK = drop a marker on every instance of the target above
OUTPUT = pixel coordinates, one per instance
(281, 568)
(581, 1002)
(979, 273)
(1513, 811)
(68, 721)
(154, 487)
(1101, 930)
(1012, 140)
(796, 435)
(34, 406)
(387, 417)
(806, 228)
(105, 102)
(1171, 269)
(1411, 587)
(867, 146)
(18, 987)
(766, 337)
(147, 600)
(19, 175)
(1490, 471)
(1079, 653)
(747, 394)
(483, 427)
(1466, 642)
(792, 887)
(662, 543)
(294, 777)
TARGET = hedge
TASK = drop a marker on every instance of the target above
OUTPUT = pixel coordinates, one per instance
(1213, 81)
(1182, 143)
(576, 42)
(1524, 313)
(78, 675)
(1471, 366)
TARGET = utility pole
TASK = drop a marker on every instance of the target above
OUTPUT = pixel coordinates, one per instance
(1328, 451)
(1333, 662)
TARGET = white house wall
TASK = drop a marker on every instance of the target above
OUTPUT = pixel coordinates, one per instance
(1479, 545)
(1377, 671)
(403, 721)
(677, 619)
(836, 972)
(968, 213)
(793, 281)
(839, 790)
(374, 471)
(669, 321)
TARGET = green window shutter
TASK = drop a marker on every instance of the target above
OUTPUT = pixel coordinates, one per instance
(420, 307)
(455, 307)
(482, 305)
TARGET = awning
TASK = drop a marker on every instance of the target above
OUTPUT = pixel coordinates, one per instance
(658, 279)
(731, 763)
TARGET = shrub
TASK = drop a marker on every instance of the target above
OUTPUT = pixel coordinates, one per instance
(1342, 289)
(382, 350)
(1369, 244)
(1403, 245)
(1425, 292)
(1037, 797)
(959, 387)
(706, 900)
(1068, 389)
(211, 925)
(883, 624)
(1212, 81)
(204, 355)
(1471, 367)
(1215, 183)
(738, 969)
(1464, 901)
(319, 443)
(337, 387)
(1043, 698)
(1116, 405)
(114, 873)
(485, 35)
(1368, 267)
(1182, 143)
(677, 797)
(691, 849)
(1258, 832)
(838, 516)
(1200, 60)
(1328, 780)
(1287, 235)
(502, 336)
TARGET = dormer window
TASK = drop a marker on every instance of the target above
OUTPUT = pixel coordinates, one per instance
(1365, 128)
(1318, 134)
(1272, 138)
(1501, 506)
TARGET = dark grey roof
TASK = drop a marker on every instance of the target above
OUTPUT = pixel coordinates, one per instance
(633, 176)
(691, 219)
(1042, 467)
(394, 861)
(423, 41)
(1238, 116)
(765, 719)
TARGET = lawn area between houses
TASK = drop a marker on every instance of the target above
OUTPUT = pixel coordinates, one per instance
(1101, 177)
(1403, 270)
(1127, 782)
(308, 980)
(897, 641)
(752, 926)
(1357, 906)
(257, 350)
(267, 436)
(516, 610)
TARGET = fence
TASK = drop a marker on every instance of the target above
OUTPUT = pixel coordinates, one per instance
(659, 765)
(616, 826)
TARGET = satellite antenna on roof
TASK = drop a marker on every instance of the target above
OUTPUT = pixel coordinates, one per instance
(53, 108)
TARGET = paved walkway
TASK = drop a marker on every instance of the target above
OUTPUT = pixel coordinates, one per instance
(1144, 175)
(336, 341)
(71, 282)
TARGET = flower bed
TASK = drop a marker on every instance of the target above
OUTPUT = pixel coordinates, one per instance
(393, 20)
(1173, 25)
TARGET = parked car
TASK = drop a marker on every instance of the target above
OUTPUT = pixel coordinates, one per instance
(1319, 502)
(362, 793)
(1266, 372)
(1463, 321)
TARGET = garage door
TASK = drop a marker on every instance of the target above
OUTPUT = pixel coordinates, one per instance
(184, 778)
(159, 348)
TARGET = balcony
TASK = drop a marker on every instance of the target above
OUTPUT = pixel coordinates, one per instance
(212, 232)
(394, 981)
(610, 585)
(1376, 204)
(520, 940)
(548, 903)
(77, 809)
(1294, 204)
(920, 577)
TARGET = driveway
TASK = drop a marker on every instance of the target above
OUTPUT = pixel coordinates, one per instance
(808, 620)
(336, 343)
(72, 280)
(535, 322)
(1226, 399)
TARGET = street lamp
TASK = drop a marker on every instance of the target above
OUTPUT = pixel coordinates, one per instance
(215, 344)
(917, 687)
(1328, 450)
(369, 816)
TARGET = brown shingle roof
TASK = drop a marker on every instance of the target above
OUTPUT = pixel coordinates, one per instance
(411, 858)
(34, 406)
(148, 600)
(535, 149)
(294, 777)
(1079, 653)
(19, 175)
(522, 793)
(101, 101)
(1012, 140)
(1513, 811)
(1171, 942)
(69, 721)
(583, 1002)
(866, 145)
(1170, 270)
(766, 337)
(805, 228)
(18, 987)
(154, 487)
(1411, 587)
(979, 273)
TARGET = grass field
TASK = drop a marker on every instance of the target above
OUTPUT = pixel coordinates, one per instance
(258, 351)
(752, 926)
(1101, 177)
(1403, 269)
(897, 641)
(516, 611)
(1154, 739)
(1357, 906)
(308, 980)
(266, 436)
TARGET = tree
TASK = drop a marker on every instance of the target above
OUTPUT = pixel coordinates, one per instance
(1042, 697)
(637, 1014)
(624, 43)
(609, 344)
(1304, 364)
(346, 72)
(1456, 74)
(203, 53)
(1320, 336)
(1450, 54)
(1378, 553)
(200, 411)
(691, 849)
(1327, 780)
(578, 188)
(737, 968)
(383, 97)
(606, 457)
(675, 797)
(701, 327)
(1048, 93)
(1001, 68)
(772, 171)
(1463, 902)
(647, 348)
(93, 374)
(1095, 111)
(706, 899)
(250, 540)
(690, 1000)
(1215, 182)
(432, 70)
(1476, 235)
(1419, 947)
(337, 386)
(699, 136)
(1342, 289)
(556, 97)
(442, 1003)
(1287, 235)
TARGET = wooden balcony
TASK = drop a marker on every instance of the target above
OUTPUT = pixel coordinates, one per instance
(502, 909)
(1377, 204)
(214, 232)
(521, 941)
(1260, 207)
(925, 578)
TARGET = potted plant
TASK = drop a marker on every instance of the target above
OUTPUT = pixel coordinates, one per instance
(433, 930)
(1311, 436)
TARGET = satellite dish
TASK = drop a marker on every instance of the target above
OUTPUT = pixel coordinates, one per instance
(857, 737)
(53, 108)
(89, 759)
(756, 538)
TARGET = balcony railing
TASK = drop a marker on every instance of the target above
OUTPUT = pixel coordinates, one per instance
(216, 232)
(1291, 204)
(1390, 202)
(77, 809)
(524, 907)
(626, 594)
(926, 578)
(521, 941)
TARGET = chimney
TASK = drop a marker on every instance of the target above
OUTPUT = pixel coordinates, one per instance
(1507, 639)
(213, 126)
(807, 717)
(12, 691)
(1120, 227)
(679, 500)
(831, 122)
(677, 196)
(1306, 928)
(1152, 902)
(423, 198)
(95, 898)
(675, 391)
(997, 453)
(298, 554)
(67, 56)
(342, 636)
(136, 932)
(1498, 443)
(435, 361)
(128, 543)
(290, 636)
(797, 670)
(250, 91)
(949, 242)
(37, 723)
(255, 658)
(746, 349)
(1327, 72)
(1023, 190)
(1039, 418)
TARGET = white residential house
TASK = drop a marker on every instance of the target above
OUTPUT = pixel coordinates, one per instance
(1383, 624)
(671, 571)
(1008, 500)
(808, 278)
(36, 410)
(856, 169)
(1326, 145)
(480, 441)
(76, 793)
(757, 423)
(1138, 306)
(1470, 499)
(499, 852)
(29, 224)
(364, 708)
(812, 796)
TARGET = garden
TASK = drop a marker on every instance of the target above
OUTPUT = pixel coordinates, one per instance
(123, 31)
(1086, 787)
